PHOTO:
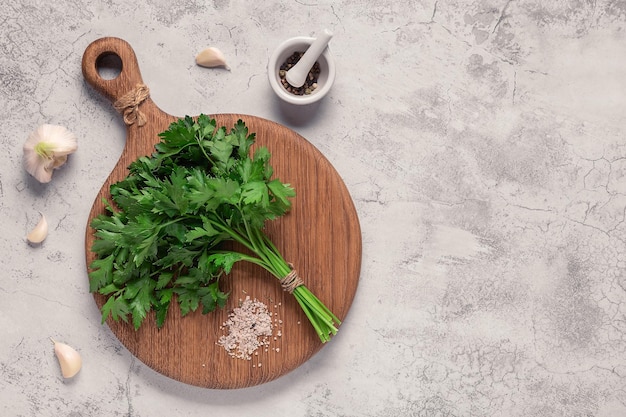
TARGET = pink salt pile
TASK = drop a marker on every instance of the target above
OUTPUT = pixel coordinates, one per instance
(249, 327)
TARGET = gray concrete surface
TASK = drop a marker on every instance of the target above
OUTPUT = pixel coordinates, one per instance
(484, 145)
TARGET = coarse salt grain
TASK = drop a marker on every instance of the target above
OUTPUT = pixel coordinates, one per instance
(250, 327)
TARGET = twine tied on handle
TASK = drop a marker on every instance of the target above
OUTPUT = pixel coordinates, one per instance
(129, 103)
(291, 281)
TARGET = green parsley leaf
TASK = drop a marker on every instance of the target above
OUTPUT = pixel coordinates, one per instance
(117, 308)
(102, 273)
(160, 238)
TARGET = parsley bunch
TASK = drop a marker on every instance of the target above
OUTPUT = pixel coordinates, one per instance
(160, 240)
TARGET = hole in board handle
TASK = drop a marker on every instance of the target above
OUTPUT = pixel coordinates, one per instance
(109, 65)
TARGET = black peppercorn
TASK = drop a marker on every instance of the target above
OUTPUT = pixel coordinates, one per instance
(310, 84)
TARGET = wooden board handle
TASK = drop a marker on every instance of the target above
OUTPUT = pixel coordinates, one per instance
(126, 81)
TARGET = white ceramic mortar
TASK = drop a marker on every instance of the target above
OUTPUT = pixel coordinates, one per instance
(325, 79)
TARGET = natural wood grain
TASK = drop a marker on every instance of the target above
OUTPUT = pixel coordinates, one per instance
(321, 236)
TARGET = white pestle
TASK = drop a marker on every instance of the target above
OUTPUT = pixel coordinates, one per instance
(296, 76)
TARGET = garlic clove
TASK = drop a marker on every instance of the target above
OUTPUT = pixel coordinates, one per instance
(46, 149)
(69, 359)
(40, 232)
(58, 161)
(211, 57)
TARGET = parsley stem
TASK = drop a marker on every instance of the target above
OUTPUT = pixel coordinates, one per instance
(255, 242)
(269, 258)
(223, 227)
(199, 141)
(320, 333)
(321, 318)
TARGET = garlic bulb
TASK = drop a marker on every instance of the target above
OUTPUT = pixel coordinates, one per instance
(40, 232)
(69, 359)
(46, 149)
(211, 57)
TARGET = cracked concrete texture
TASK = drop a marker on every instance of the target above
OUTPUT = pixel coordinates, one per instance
(482, 142)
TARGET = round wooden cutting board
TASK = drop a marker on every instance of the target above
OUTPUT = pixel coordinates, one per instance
(320, 236)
